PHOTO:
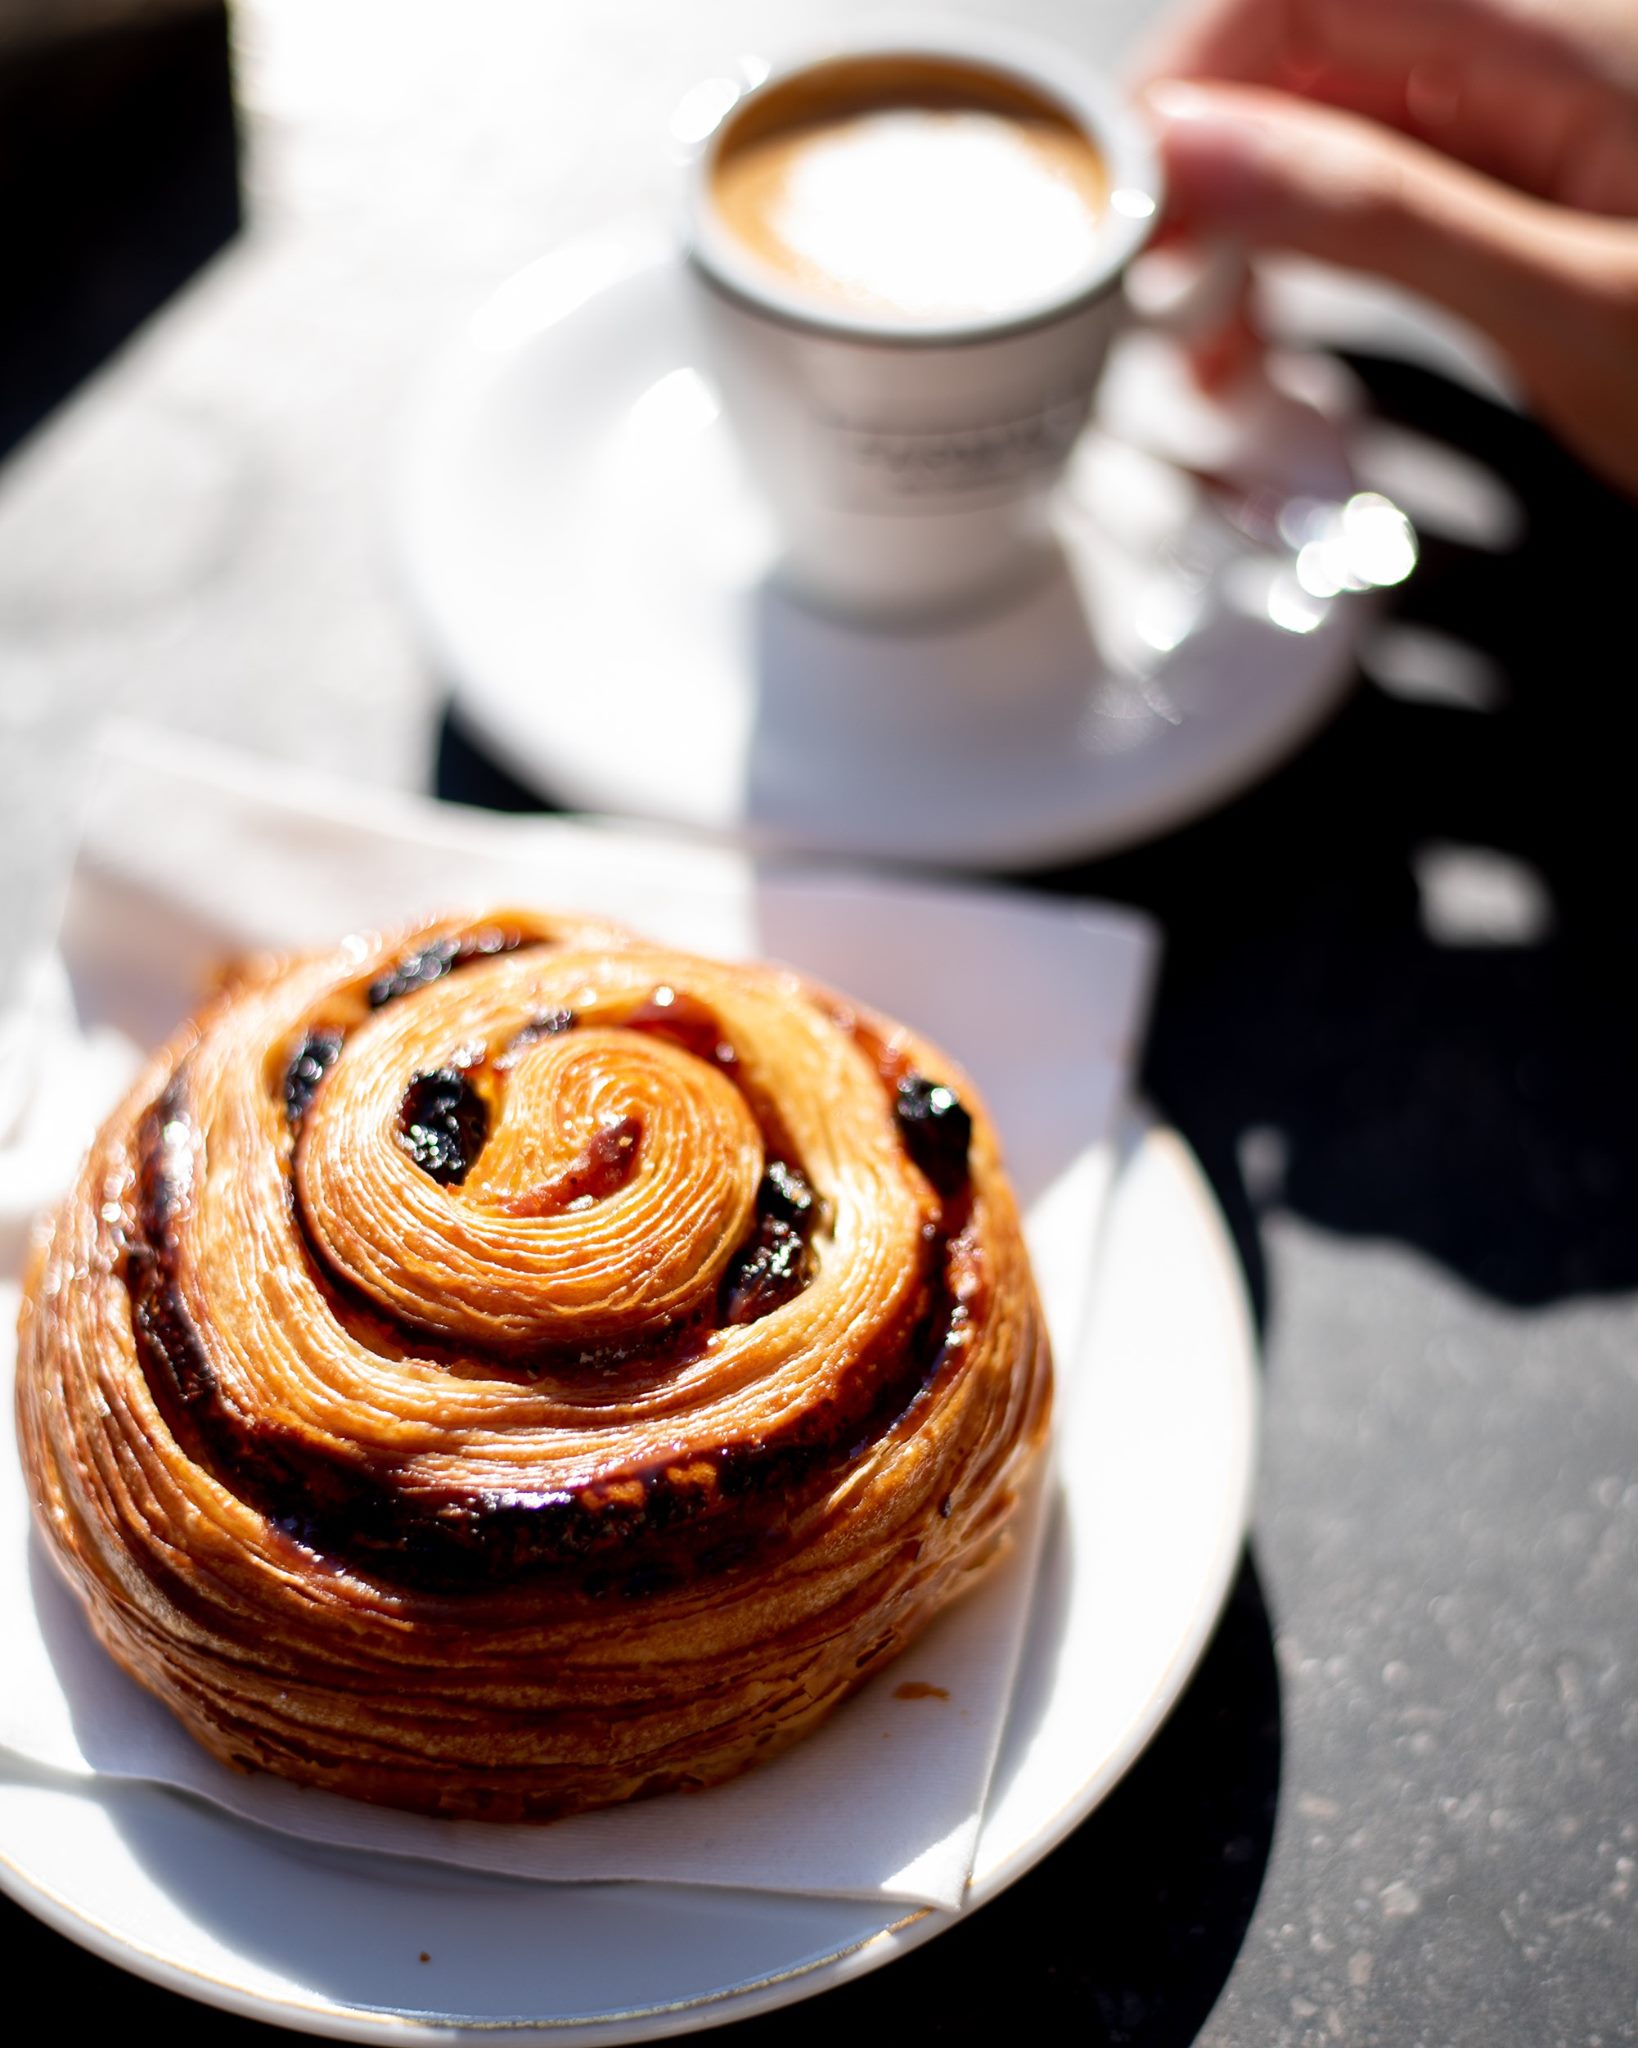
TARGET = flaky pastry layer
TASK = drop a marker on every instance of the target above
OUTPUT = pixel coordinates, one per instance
(507, 1367)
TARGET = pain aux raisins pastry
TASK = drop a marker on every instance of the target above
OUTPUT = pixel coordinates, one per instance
(511, 1367)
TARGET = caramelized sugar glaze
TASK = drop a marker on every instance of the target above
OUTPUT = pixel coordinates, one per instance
(510, 1368)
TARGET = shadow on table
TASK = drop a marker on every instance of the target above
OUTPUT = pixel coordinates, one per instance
(465, 772)
(118, 179)
(96, 1988)
(1399, 996)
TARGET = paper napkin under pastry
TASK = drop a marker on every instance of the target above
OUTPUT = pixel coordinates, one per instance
(191, 855)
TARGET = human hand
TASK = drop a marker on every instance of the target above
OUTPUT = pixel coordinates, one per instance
(1483, 152)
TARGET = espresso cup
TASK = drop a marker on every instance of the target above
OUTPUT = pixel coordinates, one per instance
(904, 400)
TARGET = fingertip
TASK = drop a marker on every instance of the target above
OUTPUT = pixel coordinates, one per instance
(1214, 152)
(1179, 99)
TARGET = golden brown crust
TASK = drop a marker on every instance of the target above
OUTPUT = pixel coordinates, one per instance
(507, 1367)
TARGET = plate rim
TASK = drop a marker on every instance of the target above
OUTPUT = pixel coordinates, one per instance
(1141, 1131)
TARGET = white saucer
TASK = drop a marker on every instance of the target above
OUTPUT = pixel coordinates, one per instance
(1156, 1459)
(591, 566)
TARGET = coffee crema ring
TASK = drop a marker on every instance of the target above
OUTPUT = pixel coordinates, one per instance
(509, 1367)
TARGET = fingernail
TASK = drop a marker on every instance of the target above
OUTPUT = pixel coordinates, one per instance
(1215, 151)
(1177, 100)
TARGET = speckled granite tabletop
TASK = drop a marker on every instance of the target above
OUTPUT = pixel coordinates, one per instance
(1399, 1804)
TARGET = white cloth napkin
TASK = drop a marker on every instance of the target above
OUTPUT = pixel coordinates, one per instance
(190, 854)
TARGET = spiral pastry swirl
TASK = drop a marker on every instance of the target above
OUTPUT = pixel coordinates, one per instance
(508, 1367)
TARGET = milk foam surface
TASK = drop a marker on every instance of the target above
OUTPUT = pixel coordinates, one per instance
(919, 213)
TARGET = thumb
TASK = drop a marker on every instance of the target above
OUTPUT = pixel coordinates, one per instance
(1280, 172)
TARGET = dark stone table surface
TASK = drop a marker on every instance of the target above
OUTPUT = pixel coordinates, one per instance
(1399, 1020)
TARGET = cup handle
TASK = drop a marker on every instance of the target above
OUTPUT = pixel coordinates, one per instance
(1189, 294)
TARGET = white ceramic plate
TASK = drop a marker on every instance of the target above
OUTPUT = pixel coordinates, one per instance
(596, 576)
(1157, 1448)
